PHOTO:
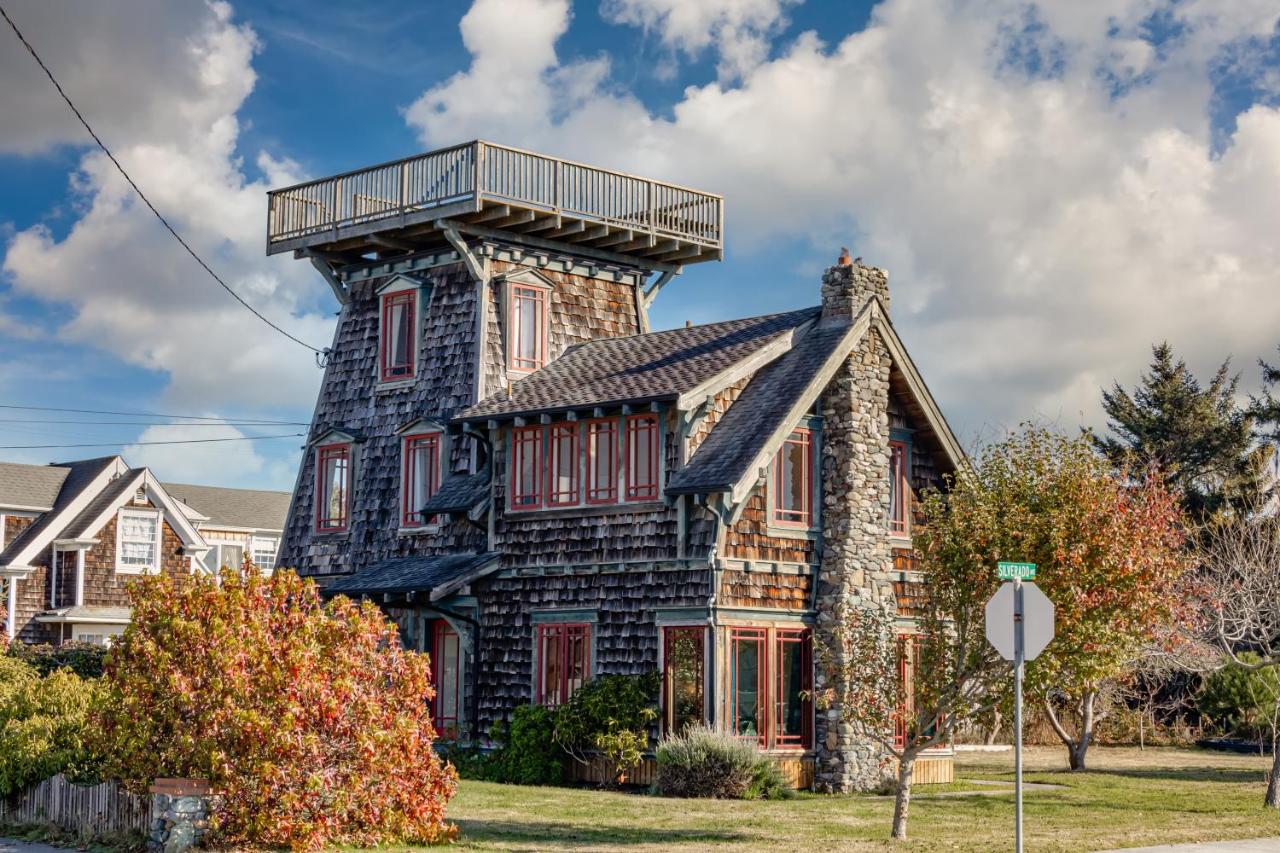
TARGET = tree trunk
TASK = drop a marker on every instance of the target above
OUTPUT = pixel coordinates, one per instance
(994, 731)
(1142, 725)
(1078, 746)
(1273, 784)
(902, 800)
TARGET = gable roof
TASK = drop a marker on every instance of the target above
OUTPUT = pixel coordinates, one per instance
(83, 524)
(438, 575)
(252, 508)
(32, 487)
(641, 368)
(81, 476)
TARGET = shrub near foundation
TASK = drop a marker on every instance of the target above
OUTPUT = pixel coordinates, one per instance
(702, 762)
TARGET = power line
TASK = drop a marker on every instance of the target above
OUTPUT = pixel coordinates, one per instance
(141, 195)
(257, 421)
(144, 443)
(151, 423)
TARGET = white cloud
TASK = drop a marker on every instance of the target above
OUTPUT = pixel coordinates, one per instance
(1041, 181)
(131, 289)
(230, 463)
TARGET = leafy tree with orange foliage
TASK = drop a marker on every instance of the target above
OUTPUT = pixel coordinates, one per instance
(309, 718)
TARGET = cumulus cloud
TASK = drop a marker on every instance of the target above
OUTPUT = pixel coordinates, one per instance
(131, 290)
(232, 463)
(1042, 180)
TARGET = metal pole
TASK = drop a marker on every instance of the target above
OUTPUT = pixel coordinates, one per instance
(1018, 661)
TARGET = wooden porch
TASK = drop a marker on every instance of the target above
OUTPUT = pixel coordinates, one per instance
(494, 191)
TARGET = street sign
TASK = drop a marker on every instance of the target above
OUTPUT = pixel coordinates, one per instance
(1008, 571)
(1037, 620)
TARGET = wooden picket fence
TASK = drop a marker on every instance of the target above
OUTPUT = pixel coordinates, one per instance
(86, 809)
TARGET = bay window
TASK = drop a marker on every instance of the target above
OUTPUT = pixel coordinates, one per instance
(528, 327)
(421, 478)
(563, 661)
(899, 490)
(793, 481)
(683, 653)
(333, 492)
(397, 350)
(618, 458)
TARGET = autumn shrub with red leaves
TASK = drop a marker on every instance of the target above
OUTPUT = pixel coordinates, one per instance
(309, 718)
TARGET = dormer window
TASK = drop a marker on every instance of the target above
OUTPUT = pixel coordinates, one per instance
(398, 335)
(528, 327)
(333, 488)
(421, 476)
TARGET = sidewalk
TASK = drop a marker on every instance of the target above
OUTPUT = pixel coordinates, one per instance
(8, 845)
(1248, 845)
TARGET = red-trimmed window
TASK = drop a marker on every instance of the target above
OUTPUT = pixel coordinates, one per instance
(528, 327)
(421, 476)
(333, 488)
(398, 348)
(602, 461)
(748, 684)
(642, 457)
(562, 464)
(899, 489)
(793, 713)
(683, 655)
(793, 481)
(526, 467)
(564, 661)
(446, 677)
(908, 662)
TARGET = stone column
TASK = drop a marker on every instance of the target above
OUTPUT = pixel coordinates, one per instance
(179, 815)
(856, 560)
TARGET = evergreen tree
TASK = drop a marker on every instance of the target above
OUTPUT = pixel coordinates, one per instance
(1201, 439)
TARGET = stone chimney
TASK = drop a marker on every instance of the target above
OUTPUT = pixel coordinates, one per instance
(848, 285)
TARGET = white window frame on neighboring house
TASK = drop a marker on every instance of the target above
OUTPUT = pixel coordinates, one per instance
(132, 568)
(99, 635)
(259, 545)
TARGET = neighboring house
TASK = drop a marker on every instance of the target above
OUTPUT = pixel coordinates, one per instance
(235, 522)
(540, 490)
(74, 534)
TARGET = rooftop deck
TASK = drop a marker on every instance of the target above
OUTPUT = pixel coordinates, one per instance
(490, 190)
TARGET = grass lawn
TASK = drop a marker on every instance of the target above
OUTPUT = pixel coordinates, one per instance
(1128, 798)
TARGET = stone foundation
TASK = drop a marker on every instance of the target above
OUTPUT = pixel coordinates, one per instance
(179, 815)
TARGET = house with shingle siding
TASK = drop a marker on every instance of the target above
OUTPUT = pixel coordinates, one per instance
(74, 535)
(540, 489)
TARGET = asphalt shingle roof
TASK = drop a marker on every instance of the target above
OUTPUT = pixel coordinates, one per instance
(726, 454)
(79, 476)
(80, 525)
(653, 366)
(234, 507)
(410, 574)
(30, 485)
(458, 493)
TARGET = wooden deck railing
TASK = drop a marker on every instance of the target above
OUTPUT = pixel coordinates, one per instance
(486, 172)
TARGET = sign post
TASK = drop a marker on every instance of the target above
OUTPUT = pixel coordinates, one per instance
(1019, 625)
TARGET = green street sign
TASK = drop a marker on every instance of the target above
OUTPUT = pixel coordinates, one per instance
(1008, 571)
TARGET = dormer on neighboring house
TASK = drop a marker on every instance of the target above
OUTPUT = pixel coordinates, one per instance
(560, 492)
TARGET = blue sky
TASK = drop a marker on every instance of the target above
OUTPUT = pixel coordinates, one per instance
(1051, 188)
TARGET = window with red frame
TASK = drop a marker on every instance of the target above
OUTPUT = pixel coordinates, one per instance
(421, 476)
(793, 481)
(642, 458)
(333, 478)
(748, 684)
(899, 490)
(398, 358)
(446, 678)
(526, 468)
(683, 653)
(528, 327)
(793, 713)
(602, 461)
(562, 464)
(564, 661)
(908, 662)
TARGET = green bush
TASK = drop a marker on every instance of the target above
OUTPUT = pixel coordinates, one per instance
(703, 762)
(621, 750)
(84, 659)
(606, 705)
(43, 722)
(1242, 701)
(529, 753)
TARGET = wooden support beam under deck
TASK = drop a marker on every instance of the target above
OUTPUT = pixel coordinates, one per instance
(498, 211)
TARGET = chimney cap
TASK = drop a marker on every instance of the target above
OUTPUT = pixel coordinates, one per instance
(844, 260)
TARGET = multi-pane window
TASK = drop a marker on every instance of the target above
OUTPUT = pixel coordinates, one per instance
(528, 327)
(770, 677)
(564, 661)
(899, 489)
(793, 713)
(138, 547)
(446, 678)
(231, 557)
(421, 476)
(264, 553)
(398, 348)
(908, 665)
(618, 458)
(793, 481)
(333, 488)
(747, 682)
(683, 653)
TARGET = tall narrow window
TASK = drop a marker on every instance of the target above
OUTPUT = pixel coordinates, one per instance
(528, 327)
(908, 661)
(602, 461)
(792, 711)
(421, 476)
(562, 464)
(399, 336)
(564, 661)
(333, 477)
(642, 458)
(899, 490)
(747, 683)
(138, 541)
(683, 650)
(793, 481)
(446, 678)
(526, 467)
